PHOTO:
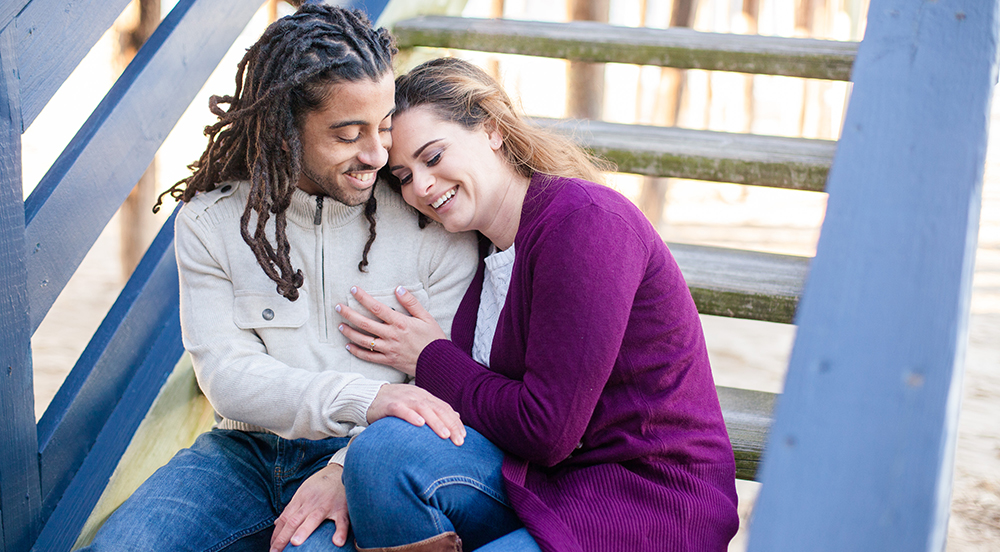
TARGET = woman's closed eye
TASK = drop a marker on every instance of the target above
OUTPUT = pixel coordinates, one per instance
(434, 160)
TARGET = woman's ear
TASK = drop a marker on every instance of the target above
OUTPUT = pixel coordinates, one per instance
(496, 138)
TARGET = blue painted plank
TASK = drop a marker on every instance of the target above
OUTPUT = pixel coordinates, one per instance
(373, 8)
(53, 36)
(19, 492)
(64, 526)
(83, 404)
(106, 158)
(862, 450)
(8, 10)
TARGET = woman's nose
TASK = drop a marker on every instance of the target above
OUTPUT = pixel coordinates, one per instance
(422, 183)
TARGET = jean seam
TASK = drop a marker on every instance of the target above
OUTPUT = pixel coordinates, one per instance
(239, 535)
(461, 480)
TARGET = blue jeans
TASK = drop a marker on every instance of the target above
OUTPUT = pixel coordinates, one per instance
(223, 493)
(405, 484)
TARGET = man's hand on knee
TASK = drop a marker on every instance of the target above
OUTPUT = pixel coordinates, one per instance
(319, 498)
(417, 406)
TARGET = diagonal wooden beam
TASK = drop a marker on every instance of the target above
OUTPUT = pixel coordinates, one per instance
(53, 36)
(110, 152)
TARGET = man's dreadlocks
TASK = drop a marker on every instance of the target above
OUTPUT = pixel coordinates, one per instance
(286, 74)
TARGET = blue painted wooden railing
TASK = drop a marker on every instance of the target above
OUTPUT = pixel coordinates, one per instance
(861, 452)
(52, 474)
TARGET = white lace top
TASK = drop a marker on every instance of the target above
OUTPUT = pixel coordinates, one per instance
(496, 281)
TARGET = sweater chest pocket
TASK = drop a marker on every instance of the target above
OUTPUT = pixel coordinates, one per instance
(252, 311)
(388, 298)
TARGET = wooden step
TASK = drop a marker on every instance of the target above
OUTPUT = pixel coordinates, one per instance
(748, 416)
(742, 284)
(776, 161)
(599, 42)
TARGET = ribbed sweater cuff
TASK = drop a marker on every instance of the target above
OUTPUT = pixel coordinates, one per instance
(356, 397)
(436, 370)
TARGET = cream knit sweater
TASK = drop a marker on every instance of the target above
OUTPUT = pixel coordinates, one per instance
(269, 364)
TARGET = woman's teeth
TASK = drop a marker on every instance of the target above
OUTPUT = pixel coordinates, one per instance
(441, 200)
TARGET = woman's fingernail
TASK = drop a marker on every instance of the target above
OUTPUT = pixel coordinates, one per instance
(401, 291)
(354, 290)
(337, 308)
(348, 347)
(340, 327)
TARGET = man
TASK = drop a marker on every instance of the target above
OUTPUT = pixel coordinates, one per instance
(278, 213)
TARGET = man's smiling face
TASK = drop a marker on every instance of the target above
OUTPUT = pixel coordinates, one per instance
(345, 142)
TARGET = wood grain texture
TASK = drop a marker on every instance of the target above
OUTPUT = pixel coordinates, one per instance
(776, 161)
(110, 152)
(748, 416)
(53, 36)
(9, 10)
(861, 453)
(598, 42)
(19, 490)
(742, 284)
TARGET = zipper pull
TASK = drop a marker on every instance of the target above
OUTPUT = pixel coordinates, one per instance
(318, 217)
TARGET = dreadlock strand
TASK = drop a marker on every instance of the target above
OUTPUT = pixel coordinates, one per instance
(284, 75)
(370, 207)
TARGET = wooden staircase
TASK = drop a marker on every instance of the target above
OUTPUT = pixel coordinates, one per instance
(863, 435)
(723, 282)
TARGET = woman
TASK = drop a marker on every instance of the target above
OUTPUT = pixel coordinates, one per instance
(577, 351)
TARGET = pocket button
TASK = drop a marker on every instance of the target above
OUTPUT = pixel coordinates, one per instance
(268, 314)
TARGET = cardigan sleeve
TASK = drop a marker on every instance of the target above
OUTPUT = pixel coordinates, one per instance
(579, 276)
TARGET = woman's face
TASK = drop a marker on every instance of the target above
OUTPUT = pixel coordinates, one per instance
(451, 174)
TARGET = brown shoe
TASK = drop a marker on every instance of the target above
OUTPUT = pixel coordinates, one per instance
(445, 542)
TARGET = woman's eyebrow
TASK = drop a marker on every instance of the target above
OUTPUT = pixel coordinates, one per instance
(425, 146)
(417, 153)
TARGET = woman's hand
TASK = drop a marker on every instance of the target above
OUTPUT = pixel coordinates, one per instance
(396, 341)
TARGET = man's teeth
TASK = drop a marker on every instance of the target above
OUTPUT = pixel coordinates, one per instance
(363, 177)
(440, 201)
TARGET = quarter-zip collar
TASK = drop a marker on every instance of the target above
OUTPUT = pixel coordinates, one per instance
(309, 210)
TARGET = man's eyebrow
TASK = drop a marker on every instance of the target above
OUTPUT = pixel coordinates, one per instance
(343, 124)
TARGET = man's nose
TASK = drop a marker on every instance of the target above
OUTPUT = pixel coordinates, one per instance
(374, 152)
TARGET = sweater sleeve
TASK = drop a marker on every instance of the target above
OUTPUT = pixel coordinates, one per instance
(452, 261)
(238, 376)
(579, 276)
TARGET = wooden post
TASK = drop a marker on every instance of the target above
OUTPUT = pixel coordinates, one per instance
(20, 495)
(137, 223)
(861, 453)
(653, 191)
(811, 21)
(493, 65)
(585, 81)
(751, 13)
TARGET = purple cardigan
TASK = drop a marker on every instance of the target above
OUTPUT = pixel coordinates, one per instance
(599, 389)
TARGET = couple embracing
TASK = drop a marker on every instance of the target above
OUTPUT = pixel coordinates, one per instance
(423, 327)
